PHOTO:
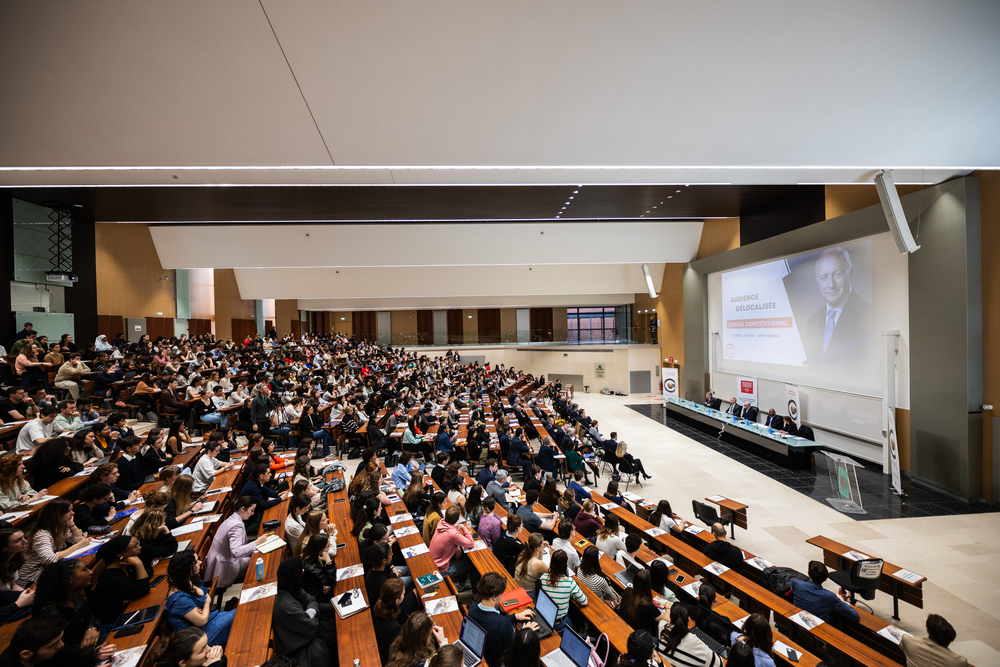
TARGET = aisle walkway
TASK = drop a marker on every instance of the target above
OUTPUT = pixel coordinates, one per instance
(959, 554)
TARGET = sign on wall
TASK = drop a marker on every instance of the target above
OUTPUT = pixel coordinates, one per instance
(746, 389)
(599, 370)
(671, 383)
(794, 407)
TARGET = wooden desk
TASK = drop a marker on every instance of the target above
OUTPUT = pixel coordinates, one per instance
(737, 512)
(834, 556)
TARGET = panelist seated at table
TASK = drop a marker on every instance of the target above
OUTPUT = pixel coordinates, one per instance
(734, 408)
(712, 402)
(774, 420)
(788, 426)
(749, 411)
(811, 596)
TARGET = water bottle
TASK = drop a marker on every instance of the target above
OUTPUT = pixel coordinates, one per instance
(357, 662)
(260, 569)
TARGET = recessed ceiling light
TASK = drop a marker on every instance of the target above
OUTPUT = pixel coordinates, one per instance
(670, 196)
(678, 191)
(576, 191)
(642, 216)
(661, 202)
(654, 207)
(571, 196)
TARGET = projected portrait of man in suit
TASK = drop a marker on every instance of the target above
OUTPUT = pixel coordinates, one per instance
(846, 319)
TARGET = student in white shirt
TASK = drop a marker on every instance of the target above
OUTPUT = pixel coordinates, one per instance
(208, 467)
(38, 431)
(295, 522)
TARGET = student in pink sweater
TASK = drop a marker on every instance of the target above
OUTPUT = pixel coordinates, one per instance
(447, 546)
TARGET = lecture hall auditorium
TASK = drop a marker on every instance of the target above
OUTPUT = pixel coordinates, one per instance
(448, 334)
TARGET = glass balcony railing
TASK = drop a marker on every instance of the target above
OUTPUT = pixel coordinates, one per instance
(506, 337)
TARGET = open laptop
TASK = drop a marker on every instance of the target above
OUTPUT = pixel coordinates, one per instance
(471, 639)
(546, 616)
(572, 652)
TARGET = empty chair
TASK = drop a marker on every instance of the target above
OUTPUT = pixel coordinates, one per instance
(864, 577)
(707, 514)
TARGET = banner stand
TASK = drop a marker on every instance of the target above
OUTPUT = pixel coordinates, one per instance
(890, 447)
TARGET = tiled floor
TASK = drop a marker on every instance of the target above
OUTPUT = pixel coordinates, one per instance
(877, 497)
(958, 552)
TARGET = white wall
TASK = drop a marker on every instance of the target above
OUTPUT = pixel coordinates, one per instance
(553, 361)
(25, 296)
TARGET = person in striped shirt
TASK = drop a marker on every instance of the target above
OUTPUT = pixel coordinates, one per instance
(561, 588)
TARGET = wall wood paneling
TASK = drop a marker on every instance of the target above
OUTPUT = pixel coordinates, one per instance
(199, 327)
(541, 325)
(489, 325)
(130, 279)
(365, 324)
(425, 327)
(242, 328)
(109, 325)
(456, 327)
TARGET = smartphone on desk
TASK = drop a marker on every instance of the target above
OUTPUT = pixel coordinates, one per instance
(681, 579)
(131, 630)
(156, 580)
(398, 512)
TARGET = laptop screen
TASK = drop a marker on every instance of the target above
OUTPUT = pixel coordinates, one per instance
(473, 636)
(547, 608)
(575, 648)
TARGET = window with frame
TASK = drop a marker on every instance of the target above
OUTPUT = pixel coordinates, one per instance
(597, 324)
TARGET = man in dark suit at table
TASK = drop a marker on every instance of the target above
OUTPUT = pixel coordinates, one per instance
(773, 420)
(846, 317)
(749, 411)
(734, 408)
(712, 401)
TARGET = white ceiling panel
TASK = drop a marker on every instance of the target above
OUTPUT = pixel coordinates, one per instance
(444, 281)
(255, 246)
(126, 83)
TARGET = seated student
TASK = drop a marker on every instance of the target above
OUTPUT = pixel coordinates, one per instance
(567, 506)
(683, 647)
(179, 507)
(447, 546)
(490, 524)
(489, 472)
(50, 463)
(663, 516)
(575, 462)
(299, 631)
(438, 471)
(125, 578)
(614, 495)
(40, 641)
(587, 523)
(577, 486)
(607, 537)
(508, 547)
(519, 454)
(95, 509)
(130, 474)
(433, 515)
(722, 551)
(498, 488)
(53, 537)
(637, 607)
(757, 636)
(14, 489)
(401, 474)
(229, 555)
(155, 540)
(153, 454)
(559, 584)
(641, 651)
(499, 625)
(811, 596)
(564, 542)
(188, 603)
(530, 565)
(415, 497)
(534, 480)
(320, 570)
(294, 521)
(705, 618)
(546, 457)
(189, 648)
(207, 467)
(59, 598)
(107, 473)
(632, 544)
(590, 574)
(377, 557)
(533, 522)
(933, 650)
(416, 642)
(386, 616)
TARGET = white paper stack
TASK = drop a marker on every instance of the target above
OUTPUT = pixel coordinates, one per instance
(400, 517)
(350, 572)
(716, 568)
(893, 634)
(272, 543)
(415, 550)
(441, 605)
(806, 620)
(258, 592)
(349, 603)
(189, 528)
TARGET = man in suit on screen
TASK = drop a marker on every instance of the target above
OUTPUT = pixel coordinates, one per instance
(846, 317)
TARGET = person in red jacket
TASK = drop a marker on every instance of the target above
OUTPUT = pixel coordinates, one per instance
(447, 543)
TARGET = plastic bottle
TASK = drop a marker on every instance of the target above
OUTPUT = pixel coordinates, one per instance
(260, 569)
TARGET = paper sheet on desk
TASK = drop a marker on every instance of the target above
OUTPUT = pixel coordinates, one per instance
(258, 592)
(209, 518)
(128, 657)
(693, 588)
(855, 555)
(415, 550)
(893, 634)
(441, 605)
(739, 622)
(911, 577)
(716, 499)
(655, 531)
(14, 516)
(184, 530)
(221, 489)
(716, 568)
(397, 518)
(403, 531)
(350, 572)
(609, 506)
(694, 530)
(478, 545)
(759, 563)
(806, 620)
(42, 499)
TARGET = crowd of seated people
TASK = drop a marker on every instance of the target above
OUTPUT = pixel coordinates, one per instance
(73, 606)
